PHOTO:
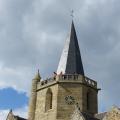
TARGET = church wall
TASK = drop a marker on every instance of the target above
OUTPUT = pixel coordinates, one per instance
(93, 101)
(65, 110)
(41, 113)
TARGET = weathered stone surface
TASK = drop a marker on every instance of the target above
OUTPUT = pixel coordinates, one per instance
(76, 114)
(32, 102)
(113, 114)
(60, 88)
(40, 112)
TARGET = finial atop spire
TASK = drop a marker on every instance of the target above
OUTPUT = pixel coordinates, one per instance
(38, 71)
(10, 110)
(72, 14)
(37, 76)
(71, 62)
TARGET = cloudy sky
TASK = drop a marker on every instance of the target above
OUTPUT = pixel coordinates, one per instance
(32, 36)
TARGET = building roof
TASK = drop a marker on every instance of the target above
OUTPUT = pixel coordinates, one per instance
(11, 116)
(19, 118)
(114, 111)
(100, 116)
(70, 61)
(89, 117)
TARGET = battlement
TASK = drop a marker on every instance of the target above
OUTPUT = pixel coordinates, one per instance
(68, 79)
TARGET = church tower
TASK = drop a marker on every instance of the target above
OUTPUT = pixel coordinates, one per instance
(55, 98)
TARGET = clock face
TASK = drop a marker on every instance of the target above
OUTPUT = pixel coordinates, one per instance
(70, 100)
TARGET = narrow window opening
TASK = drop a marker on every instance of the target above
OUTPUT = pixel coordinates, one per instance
(49, 99)
(88, 101)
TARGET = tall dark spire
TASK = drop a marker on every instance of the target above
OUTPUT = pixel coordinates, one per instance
(71, 61)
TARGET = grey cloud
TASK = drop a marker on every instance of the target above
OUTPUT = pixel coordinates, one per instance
(32, 35)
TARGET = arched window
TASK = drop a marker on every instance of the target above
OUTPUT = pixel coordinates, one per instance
(49, 97)
(88, 100)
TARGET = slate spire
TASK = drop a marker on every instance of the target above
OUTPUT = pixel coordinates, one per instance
(70, 61)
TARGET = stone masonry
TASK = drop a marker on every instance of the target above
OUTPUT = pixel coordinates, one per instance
(62, 86)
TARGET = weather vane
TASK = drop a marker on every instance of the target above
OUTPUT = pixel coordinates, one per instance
(72, 14)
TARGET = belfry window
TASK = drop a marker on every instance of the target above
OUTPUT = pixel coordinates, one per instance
(49, 98)
(88, 100)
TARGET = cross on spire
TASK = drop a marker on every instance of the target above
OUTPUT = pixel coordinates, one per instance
(72, 14)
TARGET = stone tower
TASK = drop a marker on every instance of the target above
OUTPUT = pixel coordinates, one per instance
(32, 104)
(55, 98)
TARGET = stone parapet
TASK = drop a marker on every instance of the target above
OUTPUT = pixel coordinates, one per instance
(74, 78)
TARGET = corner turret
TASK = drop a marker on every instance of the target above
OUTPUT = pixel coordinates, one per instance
(37, 77)
(32, 103)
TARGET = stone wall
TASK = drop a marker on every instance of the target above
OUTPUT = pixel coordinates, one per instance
(61, 87)
(41, 113)
(113, 114)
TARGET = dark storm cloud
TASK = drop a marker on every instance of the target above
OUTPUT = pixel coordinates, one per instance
(32, 35)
